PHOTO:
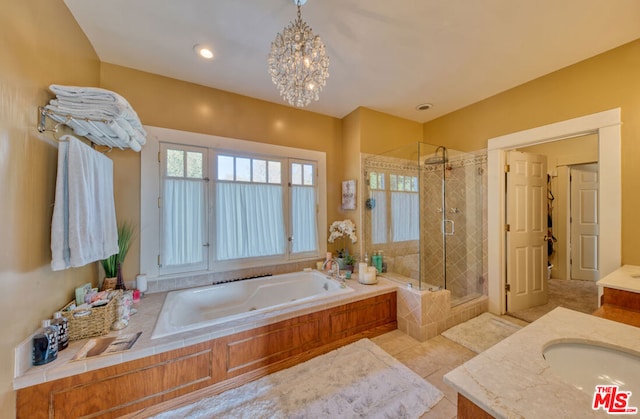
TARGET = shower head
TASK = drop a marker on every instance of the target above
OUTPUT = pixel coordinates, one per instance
(437, 158)
(433, 160)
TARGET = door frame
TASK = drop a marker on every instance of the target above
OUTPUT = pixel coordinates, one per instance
(606, 125)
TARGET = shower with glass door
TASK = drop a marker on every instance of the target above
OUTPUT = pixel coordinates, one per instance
(424, 212)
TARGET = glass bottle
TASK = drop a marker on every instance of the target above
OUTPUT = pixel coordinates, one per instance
(62, 325)
(376, 260)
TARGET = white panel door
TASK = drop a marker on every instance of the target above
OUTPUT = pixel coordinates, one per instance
(527, 228)
(584, 222)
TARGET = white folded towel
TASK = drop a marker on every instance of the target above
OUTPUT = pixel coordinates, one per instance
(83, 228)
(103, 116)
(87, 92)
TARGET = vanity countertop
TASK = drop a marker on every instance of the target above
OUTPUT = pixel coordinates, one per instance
(513, 380)
(625, 278)
(145, 319)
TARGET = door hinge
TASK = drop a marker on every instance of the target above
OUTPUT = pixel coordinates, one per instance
(507, 168)
(159, 202)
(158, 157)
(507, 227)
(507, 287)
(159, 264)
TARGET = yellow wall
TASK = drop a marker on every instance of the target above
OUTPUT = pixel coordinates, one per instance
(351, 134)
(39, 44)
(380, 132)
(370, 132)
(606, 81)
(170, 103)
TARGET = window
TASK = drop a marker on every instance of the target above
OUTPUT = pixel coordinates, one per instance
(396, 212)
(304, 224)
(249, 208)
(405, 212)
(183, 205)
(221, 209)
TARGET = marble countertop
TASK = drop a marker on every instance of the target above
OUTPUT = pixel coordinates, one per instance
(144, 320)
(626, 278)
(512, 379)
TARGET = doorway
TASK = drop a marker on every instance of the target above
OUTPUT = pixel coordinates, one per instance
(606, 125)
(567, 161)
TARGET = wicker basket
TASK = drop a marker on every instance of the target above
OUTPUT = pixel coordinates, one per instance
(97, 323)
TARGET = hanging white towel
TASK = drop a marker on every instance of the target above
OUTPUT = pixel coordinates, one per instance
(83, 228)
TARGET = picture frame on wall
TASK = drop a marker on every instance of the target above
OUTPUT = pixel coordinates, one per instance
(349, 195)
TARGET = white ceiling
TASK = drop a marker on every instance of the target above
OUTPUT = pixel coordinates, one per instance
(385, 55)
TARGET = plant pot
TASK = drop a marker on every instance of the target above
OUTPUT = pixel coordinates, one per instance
(342, 263)
(348, 268)
(109, 283)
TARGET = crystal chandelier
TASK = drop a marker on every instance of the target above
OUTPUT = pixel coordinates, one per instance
(298, 63)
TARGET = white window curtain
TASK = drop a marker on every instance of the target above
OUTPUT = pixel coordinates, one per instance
(303, 219)
(379, 217)
(183, 222)
(249, 220)
(405, 216)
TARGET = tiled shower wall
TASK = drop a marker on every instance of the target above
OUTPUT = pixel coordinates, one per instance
(465, 206)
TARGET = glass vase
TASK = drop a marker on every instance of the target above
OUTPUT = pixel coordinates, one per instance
(120, 282)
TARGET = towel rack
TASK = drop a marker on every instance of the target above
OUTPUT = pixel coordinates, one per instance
(65, 120)
(84, 127)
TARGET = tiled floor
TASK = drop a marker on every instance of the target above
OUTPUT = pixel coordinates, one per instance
(431, 360)
(436, 357)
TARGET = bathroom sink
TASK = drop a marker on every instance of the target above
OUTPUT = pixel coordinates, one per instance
(587, 365)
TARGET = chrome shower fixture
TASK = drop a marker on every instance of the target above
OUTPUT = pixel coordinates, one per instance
(438, 158)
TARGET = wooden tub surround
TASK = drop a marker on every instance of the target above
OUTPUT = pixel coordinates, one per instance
(148, 385)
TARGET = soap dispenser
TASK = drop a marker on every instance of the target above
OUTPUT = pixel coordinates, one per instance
(45, 344)
(62, 332)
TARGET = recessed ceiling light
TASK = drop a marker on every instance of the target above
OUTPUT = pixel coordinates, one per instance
(424, 106)
(203, 51)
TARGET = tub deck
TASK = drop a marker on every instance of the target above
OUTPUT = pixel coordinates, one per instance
(193, 359)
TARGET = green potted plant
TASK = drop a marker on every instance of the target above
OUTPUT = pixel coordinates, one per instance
(112, 264)
(349, 262)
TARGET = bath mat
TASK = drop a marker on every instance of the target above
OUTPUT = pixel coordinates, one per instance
(482, 332)
(355, 381)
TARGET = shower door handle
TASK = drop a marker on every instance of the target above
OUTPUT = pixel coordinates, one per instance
(445, 229)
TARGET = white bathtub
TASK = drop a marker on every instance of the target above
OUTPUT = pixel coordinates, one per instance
(195, 308)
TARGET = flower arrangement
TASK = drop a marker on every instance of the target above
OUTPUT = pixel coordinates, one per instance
(342, 230)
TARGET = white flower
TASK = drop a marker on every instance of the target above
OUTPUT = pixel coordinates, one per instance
(345, 228)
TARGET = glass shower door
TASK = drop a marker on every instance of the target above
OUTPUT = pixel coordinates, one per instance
(463, 225)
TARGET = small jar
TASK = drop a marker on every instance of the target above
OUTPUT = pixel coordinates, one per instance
(45, 344)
